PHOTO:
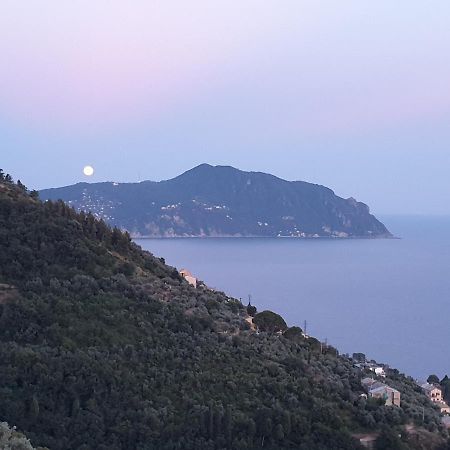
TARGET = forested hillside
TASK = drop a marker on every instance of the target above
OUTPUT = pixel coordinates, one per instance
(104, 346)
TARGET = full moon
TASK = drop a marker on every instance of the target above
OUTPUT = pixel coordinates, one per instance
(88, 171)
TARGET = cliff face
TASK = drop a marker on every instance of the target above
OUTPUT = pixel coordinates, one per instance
(223, 201)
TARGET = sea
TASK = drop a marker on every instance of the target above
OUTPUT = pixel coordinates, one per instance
(387, 298)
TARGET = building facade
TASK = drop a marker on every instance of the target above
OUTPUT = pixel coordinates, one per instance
(433, 392)
(189, 277)
(378, 390)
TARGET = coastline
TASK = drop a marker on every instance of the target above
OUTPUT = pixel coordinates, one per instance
(306, 238)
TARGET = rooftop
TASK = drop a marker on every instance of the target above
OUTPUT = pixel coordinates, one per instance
(430, 387)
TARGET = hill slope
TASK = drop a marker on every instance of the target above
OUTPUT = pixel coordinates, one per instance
(223, 201)
(104, 346)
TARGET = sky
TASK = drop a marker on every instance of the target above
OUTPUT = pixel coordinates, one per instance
(353, 95)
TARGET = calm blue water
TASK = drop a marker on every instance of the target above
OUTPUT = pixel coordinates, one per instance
(387, 298)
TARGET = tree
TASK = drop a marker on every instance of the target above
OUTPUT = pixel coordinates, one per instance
(359, 357)
(75, 406)
(270, 322)
(445, 446)
(294, 334)
(279, 432)
(210, 421)
(251, 310)
(433, 379)
(251, 429)
(228, 425)
(34, 194)
(389, 439)
(286, 422)
(34, 408)
(445, 384)
(21, 186)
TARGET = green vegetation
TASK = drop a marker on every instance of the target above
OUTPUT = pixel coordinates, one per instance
(103, 346)
(294, 334)
(10, 439)
(270, 322)
(433, 379)
(444, 384)
(251, 310)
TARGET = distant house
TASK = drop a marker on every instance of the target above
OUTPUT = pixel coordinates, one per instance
(433, 392)
(376, 389)
(360, 361)
(378, 370)
(390, 395)
(189, 277)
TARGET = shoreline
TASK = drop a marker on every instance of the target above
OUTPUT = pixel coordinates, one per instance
(306, 238)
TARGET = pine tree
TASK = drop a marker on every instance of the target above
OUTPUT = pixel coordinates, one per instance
(279, 432)
(228, 425)
(211, 422)
(34, 408)
(75, 406)
(21, 186)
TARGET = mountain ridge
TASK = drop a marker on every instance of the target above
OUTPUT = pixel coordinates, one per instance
(212, 201)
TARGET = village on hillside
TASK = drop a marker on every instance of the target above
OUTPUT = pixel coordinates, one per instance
(374, 375)
(376, 387)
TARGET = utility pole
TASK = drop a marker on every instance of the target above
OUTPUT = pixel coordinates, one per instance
(304, 327)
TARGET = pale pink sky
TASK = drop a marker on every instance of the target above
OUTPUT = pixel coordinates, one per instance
(299, 88)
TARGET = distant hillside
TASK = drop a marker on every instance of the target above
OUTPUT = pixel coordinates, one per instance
(223, 201)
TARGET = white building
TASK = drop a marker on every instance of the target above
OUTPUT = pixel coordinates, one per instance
(378, 370)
